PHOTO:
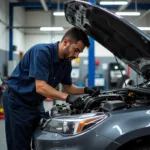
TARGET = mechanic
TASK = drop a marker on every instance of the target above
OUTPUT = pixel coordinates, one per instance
(36, 76)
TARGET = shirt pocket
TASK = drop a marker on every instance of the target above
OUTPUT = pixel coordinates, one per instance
(57, 79)
(58, 76)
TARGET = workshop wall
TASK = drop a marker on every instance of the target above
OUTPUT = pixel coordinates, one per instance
(4, 61)
(104, 61)
(25, 38)
(32, 39)
(3, 24)
(138, 21)
(34, 36)
(4, 34)
(41, 18)
(19, 21)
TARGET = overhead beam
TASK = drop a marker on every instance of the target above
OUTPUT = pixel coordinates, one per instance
(44, 5)
(29, 4)
(121, 8)
(37, 5)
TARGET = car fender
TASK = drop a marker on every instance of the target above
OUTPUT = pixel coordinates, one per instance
(125, 125)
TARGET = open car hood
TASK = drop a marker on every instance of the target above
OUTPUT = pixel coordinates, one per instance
(116, 34)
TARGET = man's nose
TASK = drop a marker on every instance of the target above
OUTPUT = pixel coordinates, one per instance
(76, 55)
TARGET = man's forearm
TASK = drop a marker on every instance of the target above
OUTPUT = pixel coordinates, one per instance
(73, 89)
(46, 90)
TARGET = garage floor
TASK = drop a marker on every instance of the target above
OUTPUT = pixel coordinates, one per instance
(2, 135)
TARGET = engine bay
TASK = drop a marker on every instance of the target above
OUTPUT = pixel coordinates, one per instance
(125, 98)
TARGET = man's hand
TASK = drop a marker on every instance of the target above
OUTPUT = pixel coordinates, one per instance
(93, 91)
(75, 101)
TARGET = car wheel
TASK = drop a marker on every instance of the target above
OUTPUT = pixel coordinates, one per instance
(137, 147)
(142, 147)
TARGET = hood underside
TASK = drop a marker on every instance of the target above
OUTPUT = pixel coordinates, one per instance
(120, 37)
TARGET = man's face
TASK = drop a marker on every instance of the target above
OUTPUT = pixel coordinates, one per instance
(72, 50)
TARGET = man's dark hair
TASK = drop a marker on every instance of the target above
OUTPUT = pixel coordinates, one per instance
(75, 34)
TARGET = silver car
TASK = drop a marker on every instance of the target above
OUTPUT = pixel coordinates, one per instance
(116, 119)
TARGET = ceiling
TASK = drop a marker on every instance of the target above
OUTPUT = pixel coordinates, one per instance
(33, 5)
(141, 4)
(55, 1)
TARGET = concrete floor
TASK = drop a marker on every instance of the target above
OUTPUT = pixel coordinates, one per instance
(2, 135)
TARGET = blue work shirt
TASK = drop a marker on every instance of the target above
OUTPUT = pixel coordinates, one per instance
(40, 62)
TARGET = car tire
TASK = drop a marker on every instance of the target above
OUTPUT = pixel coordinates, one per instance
(142, 147)
(137, 147)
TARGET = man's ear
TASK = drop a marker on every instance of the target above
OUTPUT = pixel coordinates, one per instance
(66, 42)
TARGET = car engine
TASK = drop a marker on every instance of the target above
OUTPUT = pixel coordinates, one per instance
(126, 98)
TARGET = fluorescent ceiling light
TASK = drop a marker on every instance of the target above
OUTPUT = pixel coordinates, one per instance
(58, 13)
(144, 28)
(128, 13)
(51, 28)
(113, 3)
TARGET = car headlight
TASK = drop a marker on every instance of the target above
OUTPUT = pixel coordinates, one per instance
(71, 125)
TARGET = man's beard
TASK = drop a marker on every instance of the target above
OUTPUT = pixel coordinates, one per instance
(66, 54)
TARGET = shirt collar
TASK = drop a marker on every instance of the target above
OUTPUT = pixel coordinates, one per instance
(56, 59)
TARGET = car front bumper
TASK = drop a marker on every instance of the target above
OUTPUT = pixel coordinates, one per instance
(90, 140)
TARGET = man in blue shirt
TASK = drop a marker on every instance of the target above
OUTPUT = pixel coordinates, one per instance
(36, 76)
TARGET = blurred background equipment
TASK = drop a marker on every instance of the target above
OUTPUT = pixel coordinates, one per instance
(2, 88)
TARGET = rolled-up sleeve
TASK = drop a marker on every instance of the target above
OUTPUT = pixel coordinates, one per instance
(40, 62)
